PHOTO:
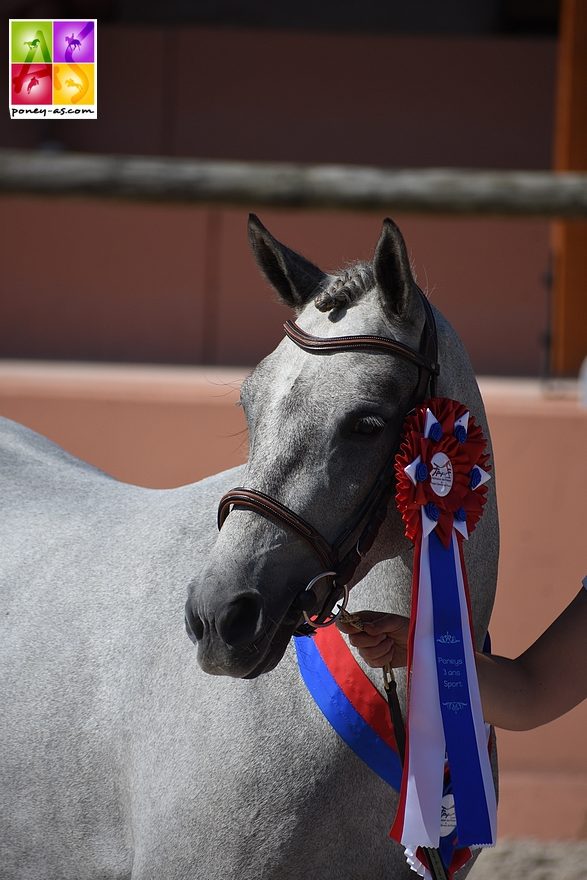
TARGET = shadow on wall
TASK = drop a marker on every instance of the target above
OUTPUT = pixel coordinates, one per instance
(176, 284)
(301, 96)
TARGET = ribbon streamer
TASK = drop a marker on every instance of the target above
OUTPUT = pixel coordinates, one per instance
(441, 473)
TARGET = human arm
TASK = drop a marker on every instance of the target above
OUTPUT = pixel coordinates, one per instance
(547, 680)
(544, 682)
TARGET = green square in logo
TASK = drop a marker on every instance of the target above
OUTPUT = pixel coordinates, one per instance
(32, 42)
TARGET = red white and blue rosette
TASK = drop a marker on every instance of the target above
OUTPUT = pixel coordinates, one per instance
(441, 476)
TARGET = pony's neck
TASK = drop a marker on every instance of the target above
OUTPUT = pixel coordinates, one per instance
(457, 377)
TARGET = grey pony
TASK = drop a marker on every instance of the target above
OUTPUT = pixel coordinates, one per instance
(119, 756)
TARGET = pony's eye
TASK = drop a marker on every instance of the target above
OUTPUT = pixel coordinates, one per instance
(369, 425)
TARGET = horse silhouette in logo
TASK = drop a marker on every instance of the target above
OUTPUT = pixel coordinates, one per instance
(72, 43)
(442, 473)
(73, 84)
(32, 44)
(33, 81)
(447, 817)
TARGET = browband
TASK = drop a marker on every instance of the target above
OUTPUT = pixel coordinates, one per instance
(425, 359)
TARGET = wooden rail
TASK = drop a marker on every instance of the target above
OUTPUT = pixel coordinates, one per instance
(426, 191)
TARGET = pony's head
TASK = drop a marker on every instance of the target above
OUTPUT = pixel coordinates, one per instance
(323, 425)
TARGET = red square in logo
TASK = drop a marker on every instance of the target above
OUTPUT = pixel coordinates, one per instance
(31, 84)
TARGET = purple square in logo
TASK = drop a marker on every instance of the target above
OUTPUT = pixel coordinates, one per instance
(73, 41)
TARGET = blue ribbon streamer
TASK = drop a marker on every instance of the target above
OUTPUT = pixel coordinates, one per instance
(473, 823)
(449, 842)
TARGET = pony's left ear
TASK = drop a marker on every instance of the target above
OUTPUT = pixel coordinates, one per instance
(295, 279)
(391, 267)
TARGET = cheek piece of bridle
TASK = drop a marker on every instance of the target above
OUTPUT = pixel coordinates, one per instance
(339, 567)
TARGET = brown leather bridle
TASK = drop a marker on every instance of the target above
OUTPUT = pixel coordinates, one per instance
(373, 510)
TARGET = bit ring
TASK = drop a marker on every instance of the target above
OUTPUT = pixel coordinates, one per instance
(333, 616)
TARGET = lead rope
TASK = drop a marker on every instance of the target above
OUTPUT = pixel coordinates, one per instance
(435, 863)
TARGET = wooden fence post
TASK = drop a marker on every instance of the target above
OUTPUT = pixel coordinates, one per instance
(569, 237)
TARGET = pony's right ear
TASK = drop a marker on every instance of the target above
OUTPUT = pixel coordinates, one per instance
(295, 279)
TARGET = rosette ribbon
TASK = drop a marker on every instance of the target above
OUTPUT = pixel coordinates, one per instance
(441, 476)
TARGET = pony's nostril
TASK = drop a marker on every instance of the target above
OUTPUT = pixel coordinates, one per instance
(238, 622)
(193, 624)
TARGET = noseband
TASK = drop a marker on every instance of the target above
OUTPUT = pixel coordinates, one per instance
(340, 567)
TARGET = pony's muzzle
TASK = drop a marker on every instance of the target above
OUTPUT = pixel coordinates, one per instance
(239, 622)
(193, 625)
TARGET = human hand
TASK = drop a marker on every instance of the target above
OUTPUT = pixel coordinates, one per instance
(382, 640)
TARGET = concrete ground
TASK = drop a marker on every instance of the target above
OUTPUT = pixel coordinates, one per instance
(532, 860)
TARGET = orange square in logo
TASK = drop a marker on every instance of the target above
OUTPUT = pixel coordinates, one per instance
(73, 84)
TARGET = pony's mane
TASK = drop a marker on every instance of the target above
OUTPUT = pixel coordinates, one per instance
(346, 287)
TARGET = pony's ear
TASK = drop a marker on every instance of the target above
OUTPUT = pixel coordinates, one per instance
(391, 267)
(294, 278)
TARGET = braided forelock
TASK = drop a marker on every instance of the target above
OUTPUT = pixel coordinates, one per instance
(346, 288)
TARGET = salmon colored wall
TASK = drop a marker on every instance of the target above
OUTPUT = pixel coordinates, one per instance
(485, 274)
(540, 467)
(167, 426)
(159, 283)
(154, 426)
(103, 282)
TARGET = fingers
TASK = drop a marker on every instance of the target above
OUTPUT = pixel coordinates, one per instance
(380, 638)
(359, 619)
(377, 650)
(363, 640)
(377, 623)
(379, 655)
(345, 627)
(391, 624)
